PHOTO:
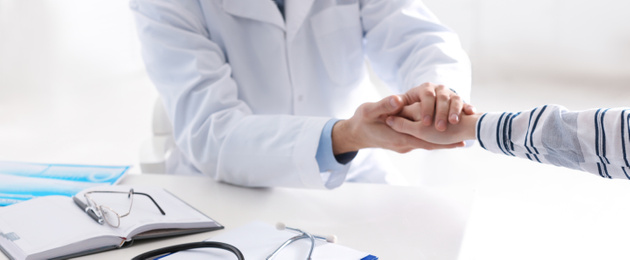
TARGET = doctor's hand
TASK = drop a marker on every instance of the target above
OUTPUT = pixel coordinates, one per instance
(439, 105)
(464, 130)
(367, 128)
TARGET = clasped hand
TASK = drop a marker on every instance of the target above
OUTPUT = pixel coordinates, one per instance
(429, 117)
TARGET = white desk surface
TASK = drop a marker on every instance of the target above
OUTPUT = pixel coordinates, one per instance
(533, 216)
(391, 222)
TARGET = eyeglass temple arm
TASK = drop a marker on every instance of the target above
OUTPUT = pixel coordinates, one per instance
(158, 206)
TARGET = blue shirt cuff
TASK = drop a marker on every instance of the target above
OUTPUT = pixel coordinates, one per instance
(326, 160)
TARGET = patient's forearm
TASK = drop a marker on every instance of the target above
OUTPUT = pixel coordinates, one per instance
(596, 140)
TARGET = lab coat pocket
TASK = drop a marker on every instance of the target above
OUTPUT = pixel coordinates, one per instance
(339, 38)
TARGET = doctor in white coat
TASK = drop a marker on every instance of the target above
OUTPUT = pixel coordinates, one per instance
(254, 88)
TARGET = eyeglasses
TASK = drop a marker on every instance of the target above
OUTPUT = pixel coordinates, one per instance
(102, 213)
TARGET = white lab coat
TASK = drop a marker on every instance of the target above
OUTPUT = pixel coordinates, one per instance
(248, 94)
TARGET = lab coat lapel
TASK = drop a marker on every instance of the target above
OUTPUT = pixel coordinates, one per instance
(296, 11)
(261, 10)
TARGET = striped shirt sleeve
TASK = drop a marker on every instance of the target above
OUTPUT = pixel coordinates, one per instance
(595, 140)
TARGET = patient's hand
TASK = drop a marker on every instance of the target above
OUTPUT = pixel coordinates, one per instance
(409, 121)
(437, 105)
(367, 128)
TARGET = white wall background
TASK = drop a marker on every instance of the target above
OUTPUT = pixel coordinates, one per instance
(73, 89)
(72, 84)
(558, 37)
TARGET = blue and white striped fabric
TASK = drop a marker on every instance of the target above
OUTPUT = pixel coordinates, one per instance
(596, 140)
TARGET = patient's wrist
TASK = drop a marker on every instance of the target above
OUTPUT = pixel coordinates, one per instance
(470, 124)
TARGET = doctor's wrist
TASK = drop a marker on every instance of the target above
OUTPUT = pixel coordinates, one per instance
(343, 140)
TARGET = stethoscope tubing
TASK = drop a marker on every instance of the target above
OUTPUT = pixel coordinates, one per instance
(181, 247)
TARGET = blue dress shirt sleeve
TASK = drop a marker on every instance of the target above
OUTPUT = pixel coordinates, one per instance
(326, 160)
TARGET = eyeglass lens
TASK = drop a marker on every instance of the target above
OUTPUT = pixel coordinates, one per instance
(111, 217)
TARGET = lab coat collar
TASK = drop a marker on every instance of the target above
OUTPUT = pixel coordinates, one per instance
(261, 10)
(296, 12)
(267, 11)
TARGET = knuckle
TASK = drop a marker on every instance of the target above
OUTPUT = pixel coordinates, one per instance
(426, 84)
(364, 108)
(442, 96)
(427, 92)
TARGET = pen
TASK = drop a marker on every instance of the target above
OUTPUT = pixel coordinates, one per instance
(87, 210)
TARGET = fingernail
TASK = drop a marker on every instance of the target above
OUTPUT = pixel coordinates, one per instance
(441, 125)
(389, 121)
(393, 103)
(454, 118)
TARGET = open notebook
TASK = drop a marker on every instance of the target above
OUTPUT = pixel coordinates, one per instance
(55, 227)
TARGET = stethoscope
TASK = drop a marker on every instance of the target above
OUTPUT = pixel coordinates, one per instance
(181, 247)
(230, 248)
(302, 235)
